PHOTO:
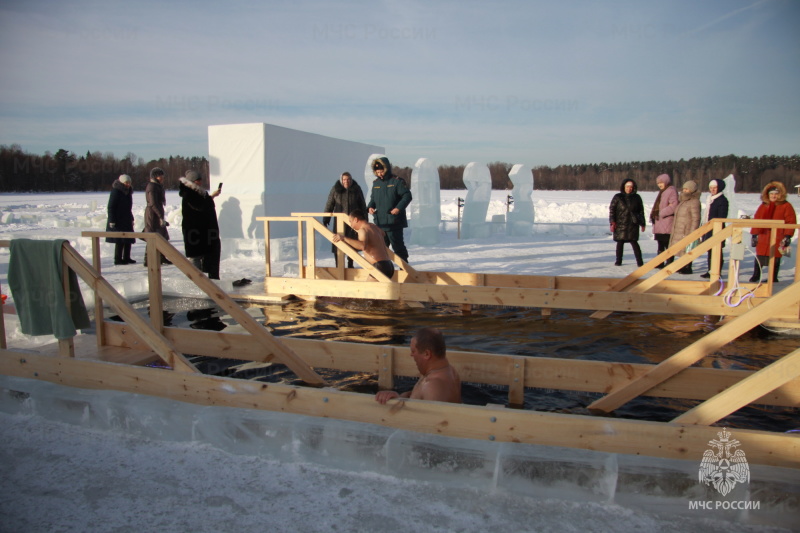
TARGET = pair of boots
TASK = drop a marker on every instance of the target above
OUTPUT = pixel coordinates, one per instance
(637, 253)
(761, 267)
(122, 254)
(686, 270)
(708, 273)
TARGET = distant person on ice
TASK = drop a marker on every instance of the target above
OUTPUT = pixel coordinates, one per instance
(663, 214)
(774, 206)
(369, 239)
(345, 196)
(200, 226)
(120, 218)
(387, 204)
(687, 218)
(626, 215)
(154, 220)
(440, 381)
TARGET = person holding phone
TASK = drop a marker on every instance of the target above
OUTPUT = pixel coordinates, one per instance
(200, 226)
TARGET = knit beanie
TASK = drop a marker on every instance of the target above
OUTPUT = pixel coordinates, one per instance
(663, 178)
(692, 186)
(157, 171)
(125, 178)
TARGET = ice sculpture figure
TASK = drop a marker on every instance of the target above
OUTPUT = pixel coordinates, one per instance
(520, 220)
(476, 204)
(425, 210)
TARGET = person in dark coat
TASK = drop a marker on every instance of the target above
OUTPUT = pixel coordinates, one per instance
(120, 218)
(626, 216)
(156, 198)
(345, 196)
(716, 207)
(200, 226)
(387, 204)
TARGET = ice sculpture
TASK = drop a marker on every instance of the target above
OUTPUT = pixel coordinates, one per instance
(425, 210)
(476, 204)
(520, 220)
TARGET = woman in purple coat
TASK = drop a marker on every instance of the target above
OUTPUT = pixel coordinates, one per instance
(663, 214)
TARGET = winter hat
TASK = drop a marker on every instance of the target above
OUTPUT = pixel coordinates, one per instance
(382, 161)
(192, 175)
(720, 185)
(663, 178)
(156, 172)
(125, 178)
(692, 186)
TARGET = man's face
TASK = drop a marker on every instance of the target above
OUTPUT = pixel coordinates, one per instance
(355, 223)
(417, 356)
(346, 181)
(380, 172)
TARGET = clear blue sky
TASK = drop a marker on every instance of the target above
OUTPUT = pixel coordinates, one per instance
(539, 83)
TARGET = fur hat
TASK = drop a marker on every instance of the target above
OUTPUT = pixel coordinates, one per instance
(124, 178)
(192, 175)
(663, 178)
(156, 172)
(773, 185)
(382, 161)
(692, 186)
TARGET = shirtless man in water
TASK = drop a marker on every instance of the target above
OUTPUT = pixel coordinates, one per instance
(440, 381)
(370, 241)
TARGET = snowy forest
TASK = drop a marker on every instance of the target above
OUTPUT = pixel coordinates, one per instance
(94, 171)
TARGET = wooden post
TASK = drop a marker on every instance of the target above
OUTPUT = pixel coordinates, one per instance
(66, 347)
(301, 271)
(340, 259)
(99, 320)
(268, 259)
(516, 387)
(154, 280)
(386, 369)
(311, 242)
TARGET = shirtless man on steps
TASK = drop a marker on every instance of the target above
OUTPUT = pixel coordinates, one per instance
(370, 241)
(440, 381)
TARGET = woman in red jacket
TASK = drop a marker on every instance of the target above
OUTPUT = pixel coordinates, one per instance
(774, 206)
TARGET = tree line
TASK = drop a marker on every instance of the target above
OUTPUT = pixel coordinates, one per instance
(64, 171)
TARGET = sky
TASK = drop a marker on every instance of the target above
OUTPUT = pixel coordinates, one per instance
(538, 83)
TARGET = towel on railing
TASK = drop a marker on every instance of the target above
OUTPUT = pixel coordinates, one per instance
(34, 277)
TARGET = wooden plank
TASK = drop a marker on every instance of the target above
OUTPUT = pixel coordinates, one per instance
(142, 328)
(490, 369)
(693, 353)
(654, 439)
(677, 264)
(267, 253)
(274, 347)
(745, 392)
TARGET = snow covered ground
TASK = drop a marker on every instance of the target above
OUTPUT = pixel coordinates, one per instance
(57, 477)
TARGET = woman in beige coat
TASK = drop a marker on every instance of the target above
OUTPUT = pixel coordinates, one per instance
(687, 218)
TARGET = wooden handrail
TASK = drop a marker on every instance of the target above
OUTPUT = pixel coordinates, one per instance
(274, 347)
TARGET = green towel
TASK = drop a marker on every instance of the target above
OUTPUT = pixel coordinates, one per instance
(34, 277)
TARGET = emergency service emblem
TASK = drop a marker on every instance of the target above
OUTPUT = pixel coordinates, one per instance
(723, 466)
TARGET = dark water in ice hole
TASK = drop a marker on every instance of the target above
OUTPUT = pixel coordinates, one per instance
(623, 337)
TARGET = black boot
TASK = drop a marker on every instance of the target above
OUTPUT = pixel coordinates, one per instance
(618, 262)
(760, 268)
(777, 268)
(637, 253)
(686, 270)
(118, 254)
(126, 253)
